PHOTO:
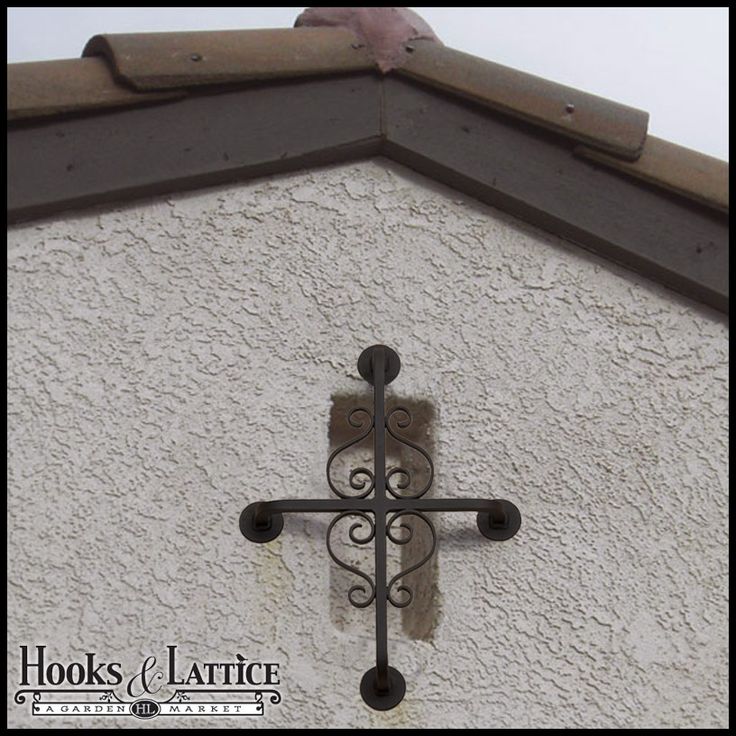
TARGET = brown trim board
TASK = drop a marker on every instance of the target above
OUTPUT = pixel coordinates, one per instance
(694, 175)
(603, 124)
(537, 178)
(531, 173)
(193, 142)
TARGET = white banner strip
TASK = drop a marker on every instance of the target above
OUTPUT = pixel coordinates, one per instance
(81, 709)
(166, 709)
(211, 709)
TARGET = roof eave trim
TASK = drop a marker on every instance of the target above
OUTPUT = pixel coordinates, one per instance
(694, 175)
(184, 60)
(617, 129)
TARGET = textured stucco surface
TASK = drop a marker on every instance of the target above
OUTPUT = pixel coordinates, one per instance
(171, 361)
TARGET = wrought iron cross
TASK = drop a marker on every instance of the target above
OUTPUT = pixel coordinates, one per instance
(382, 687)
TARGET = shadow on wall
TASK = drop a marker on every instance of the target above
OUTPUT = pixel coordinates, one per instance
(420, 617)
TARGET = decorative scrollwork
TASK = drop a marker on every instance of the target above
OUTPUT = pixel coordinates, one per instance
(20, 696)
(405, 482)
(405, 540)
(356, 482)
(275, 696)
(358, 540)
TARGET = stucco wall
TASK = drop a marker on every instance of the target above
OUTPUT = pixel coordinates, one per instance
(171, 361)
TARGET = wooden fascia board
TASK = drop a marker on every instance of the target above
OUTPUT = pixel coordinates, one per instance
(194, 142)
(203, 140)
(538, 178)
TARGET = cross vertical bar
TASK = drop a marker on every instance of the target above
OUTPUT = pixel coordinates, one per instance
(379, 471)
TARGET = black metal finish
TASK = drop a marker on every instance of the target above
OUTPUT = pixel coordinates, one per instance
(379, 517)
(502, 526)
(260, 528)
(383, 699)
(392, 364)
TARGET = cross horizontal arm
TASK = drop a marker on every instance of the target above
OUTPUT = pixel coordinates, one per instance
(329, 505)
(263, 509)
(496, 518)
(448, 504)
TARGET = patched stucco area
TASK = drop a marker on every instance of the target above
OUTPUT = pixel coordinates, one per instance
(173, 360)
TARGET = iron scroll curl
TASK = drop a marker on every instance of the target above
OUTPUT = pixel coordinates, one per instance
(407, 476)
(398, 540)
(354, 480)
(368, 599)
